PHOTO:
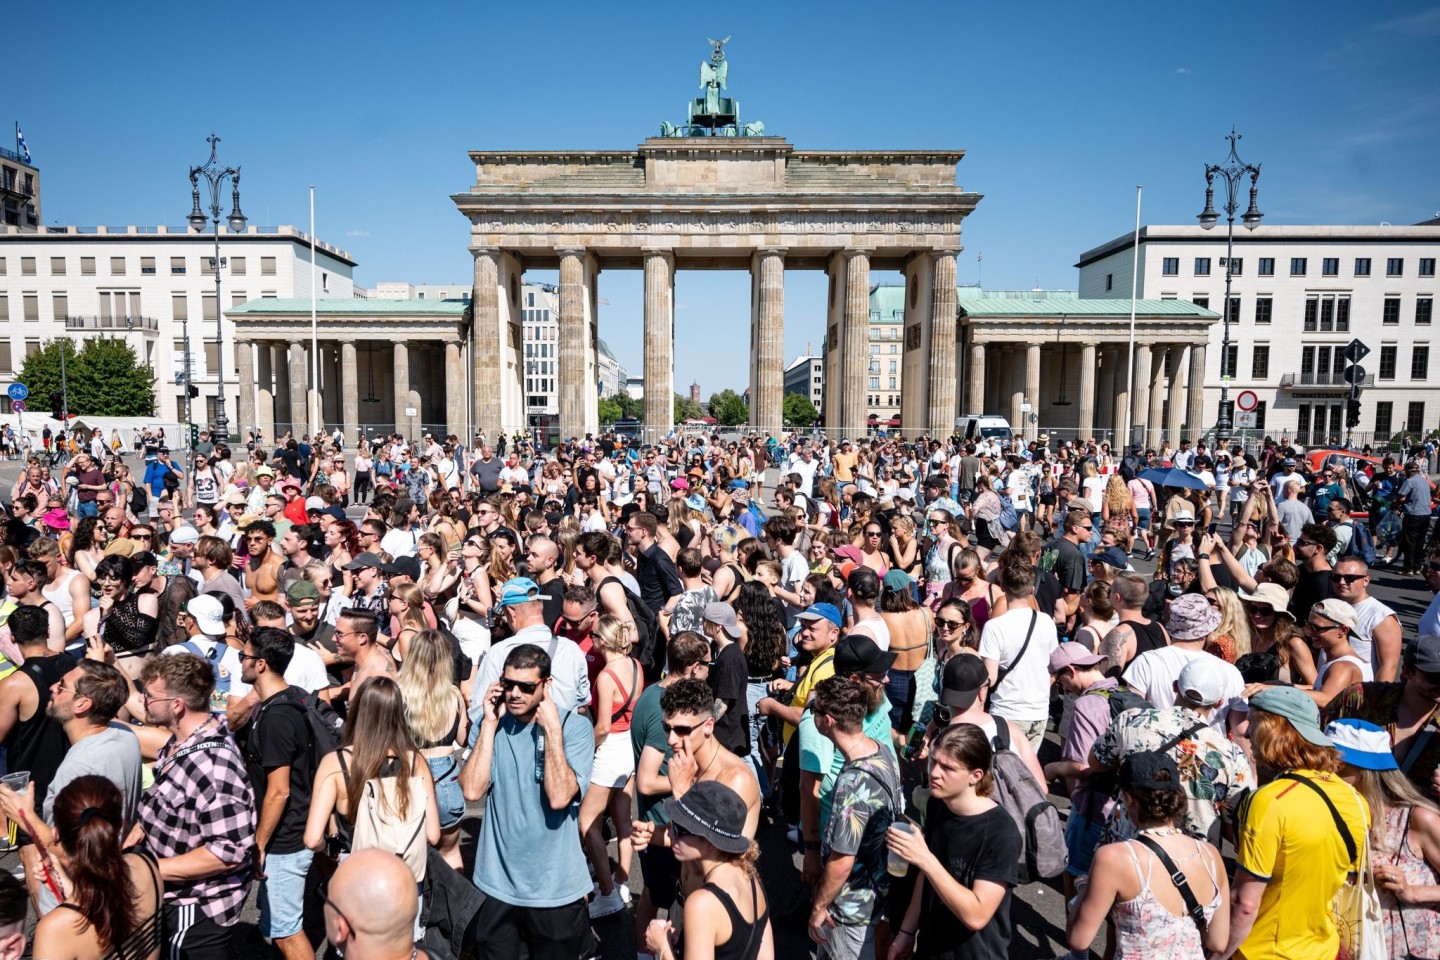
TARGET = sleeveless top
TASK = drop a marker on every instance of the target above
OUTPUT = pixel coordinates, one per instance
(1145, 927)
(39, 744)
(1148, 636)
(58, 593)
(1411, 930)
(745, 937)
(127, 629)
(145, 938)
(630, 692)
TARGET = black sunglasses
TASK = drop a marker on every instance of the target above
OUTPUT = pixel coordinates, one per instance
(679, 729)
(526, 687)
(1346, 578)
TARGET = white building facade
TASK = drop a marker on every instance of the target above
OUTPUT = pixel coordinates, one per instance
(805, 375)
(153, 287)
(1299, 294)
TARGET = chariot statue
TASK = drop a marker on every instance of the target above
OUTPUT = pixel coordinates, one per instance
(713, 114)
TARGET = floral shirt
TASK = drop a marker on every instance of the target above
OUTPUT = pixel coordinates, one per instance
(1214, 771)
(866, 797)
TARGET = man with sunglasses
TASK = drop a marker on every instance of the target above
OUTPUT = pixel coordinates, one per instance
(520, 602)
(530, 761)
(1311, 552)
(1376, 635)
(1327, 630)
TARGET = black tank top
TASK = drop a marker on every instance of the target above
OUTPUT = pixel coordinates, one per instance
(1148, 636)
(745, 937)
(39, 744)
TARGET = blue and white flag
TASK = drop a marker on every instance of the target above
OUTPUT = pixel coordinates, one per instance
(21, 147)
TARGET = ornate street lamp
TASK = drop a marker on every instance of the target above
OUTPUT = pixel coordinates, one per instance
(215, 177)
(1232, 172)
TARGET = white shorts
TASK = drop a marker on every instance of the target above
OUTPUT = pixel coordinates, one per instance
(614, 761)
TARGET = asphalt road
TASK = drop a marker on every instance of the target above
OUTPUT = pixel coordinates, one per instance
(1038, 908)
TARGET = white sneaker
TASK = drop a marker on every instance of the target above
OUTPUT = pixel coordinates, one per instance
(606, 904)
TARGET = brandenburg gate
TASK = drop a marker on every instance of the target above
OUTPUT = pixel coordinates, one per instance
(715, 194)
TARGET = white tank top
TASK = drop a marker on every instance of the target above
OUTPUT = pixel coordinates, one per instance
(58, 593)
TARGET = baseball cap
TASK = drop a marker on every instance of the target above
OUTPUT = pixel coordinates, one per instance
(264, 472)
(821, 611)
(366, 559)
(964, 676)
(679, 483)
(518, 590)
(144, 558)
(208, 614)
(1112, 557)
(301, 591)
(1150, 770)
(739, 485)
(185, 534)
(333, 511)
(723, 615)
(1337, 611)
(897, 581)
(1424, 653)
(857, 653)
(1362, 744)
(1202, 681)
(1297, 708)
(315, 503)
(1071, 654)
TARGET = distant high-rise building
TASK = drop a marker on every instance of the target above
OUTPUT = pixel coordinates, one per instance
(695, 392)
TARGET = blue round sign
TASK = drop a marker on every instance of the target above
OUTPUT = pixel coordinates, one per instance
(18, 391)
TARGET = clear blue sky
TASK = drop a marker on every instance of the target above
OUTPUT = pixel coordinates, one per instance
(1063, 108)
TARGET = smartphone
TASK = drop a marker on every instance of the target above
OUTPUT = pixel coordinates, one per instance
(1210, 530)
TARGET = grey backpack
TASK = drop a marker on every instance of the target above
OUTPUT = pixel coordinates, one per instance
(1042, 838)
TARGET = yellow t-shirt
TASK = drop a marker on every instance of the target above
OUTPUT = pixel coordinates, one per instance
(822, 668)
(1289, 838)
(844, 466)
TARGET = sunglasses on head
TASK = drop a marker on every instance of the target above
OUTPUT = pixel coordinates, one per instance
(526, 687)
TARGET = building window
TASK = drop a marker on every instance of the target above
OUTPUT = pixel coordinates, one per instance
(3, 268)
(1362, 266)
(237, 297)
(32, 347)
(267, 266)
(892, 384)
(1427, 267)
(117, 266)
(1202, 302)
(6, 363)
(1388, 355)
(4, 307)
(179, 306)
(87, 266)
(1260, 415)
(1394, 266)
(1297, 266)
(1264, 309)
(1384, 412)
(1266, 267)
(1202, 266)
(1342, 314)
(1391, 313)
(1420, 361)
(207, 306)
(57, 266)
(237, 266)
(1235, 265)
(32, 306)
(1170, 267)
(1232, 309)
(1415, 416)
(1327, 314)
(1424, 306)
(147, 266)
(1302, 421)
(874, 366)
(1330, 267)
(60, 306)
(874, 349)
(874, 383)
(1230, 361)
(1109, 281)
(1312, 311)
(1260, 362)
(27, 266)
(177, 266)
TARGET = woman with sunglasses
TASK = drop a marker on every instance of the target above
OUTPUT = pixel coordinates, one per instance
(1273, 631)
(874, 547)
(125, 620)
(955, 633)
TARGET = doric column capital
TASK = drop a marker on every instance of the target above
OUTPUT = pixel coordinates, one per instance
(483, 251)
(665, 254)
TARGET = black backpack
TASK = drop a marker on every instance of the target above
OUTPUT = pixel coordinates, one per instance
(1120, 699)
(139, 498)
(324, 723)
(647, 632)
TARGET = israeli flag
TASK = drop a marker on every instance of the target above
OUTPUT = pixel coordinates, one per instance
(21, 146)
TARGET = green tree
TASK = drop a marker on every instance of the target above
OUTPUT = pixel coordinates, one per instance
(687, 409)
(729, 408)
(619, 407)
(103, 379)
(799, 410)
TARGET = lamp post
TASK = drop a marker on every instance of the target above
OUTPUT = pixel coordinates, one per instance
(1232, 171)
(215, 177)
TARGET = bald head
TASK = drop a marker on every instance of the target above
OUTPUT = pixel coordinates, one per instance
(542, 554)
(375, 893)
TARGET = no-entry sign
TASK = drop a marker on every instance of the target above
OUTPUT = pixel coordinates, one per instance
(1247, 400)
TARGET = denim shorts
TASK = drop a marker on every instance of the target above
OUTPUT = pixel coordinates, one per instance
(282, 894)
(448, 796)
(1082, 837)
(1143, 518)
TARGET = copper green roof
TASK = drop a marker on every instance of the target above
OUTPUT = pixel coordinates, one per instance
(353, 306)
(1079, 307)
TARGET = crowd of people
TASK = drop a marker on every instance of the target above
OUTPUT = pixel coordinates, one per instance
(290, 670)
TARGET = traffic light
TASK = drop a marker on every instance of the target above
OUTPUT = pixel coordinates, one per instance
(193, 390)
(1352, 413)
(57, 405)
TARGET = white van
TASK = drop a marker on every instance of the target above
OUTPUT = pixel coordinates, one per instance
(988, 426)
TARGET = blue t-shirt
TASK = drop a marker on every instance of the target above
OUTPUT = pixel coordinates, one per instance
(529, 854)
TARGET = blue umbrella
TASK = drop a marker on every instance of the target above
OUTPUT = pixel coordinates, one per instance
(1173, 477)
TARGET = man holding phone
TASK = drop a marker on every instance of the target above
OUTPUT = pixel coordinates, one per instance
(530, 818)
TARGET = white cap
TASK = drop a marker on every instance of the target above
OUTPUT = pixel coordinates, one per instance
(315, 503)
(208, 614)
(1202, 680)
(185, 534)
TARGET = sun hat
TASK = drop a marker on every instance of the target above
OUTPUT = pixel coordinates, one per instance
(722, 615)
(857, 653)
(1071, 654)
(184, 535)
(288, 483)
(235, 496)
(1191, 617)
(964, 676)
(121, 547)
(518, 590)
(263, 472)
(714, 812)
(1183, 515)
(56, 519)
(1362, 744)
(208, 614)
(1143, 770)
(1270, 595)
(679, 483)
(1202, 681)
(820, 611)
(1296, 707)
(1337, 611)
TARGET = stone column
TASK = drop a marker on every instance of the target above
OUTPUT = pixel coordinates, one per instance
(943, 344)
(975, 389)
(767, 340)
(265, 395)
(1155, 424)
(1016, 379)
(1086, 406)
(659, 344)
(245, 408)
(488, 335)
(299, 378)
(454, 390)
(1120, 410)
(1139, 414)
(855, 339)
(349, 391)
(403, 421)
(1105, 396)
(1179, 356)
(916, 332)
(570, 364)
(1195, 394)
(1032, 387)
